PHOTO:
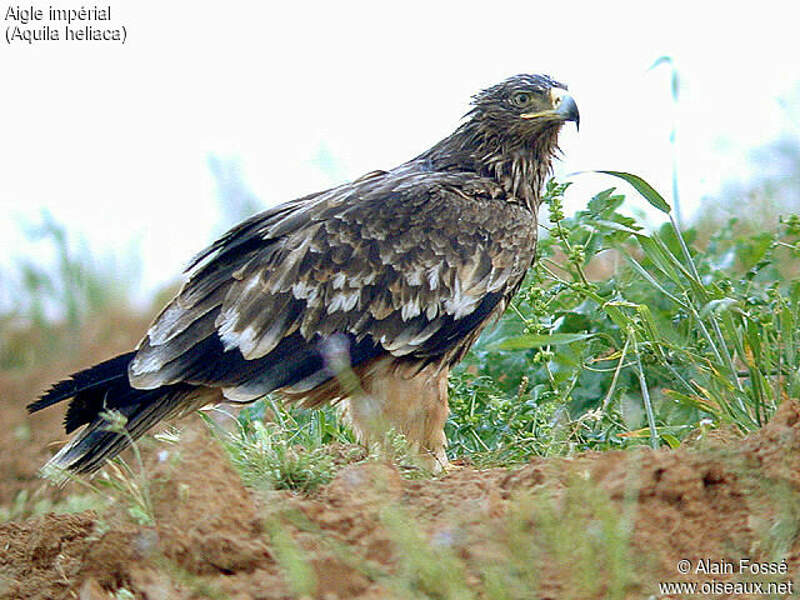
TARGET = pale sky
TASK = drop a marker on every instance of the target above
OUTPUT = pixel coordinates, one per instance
(114, 140)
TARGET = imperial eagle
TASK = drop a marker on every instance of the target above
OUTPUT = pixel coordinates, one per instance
(397, 273)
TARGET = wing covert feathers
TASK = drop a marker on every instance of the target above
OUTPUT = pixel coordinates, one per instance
(406, 263)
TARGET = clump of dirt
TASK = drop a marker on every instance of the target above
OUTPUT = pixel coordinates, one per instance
(595, 526)
(206, 520)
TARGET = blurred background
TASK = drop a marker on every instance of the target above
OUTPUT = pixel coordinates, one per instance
(119, 162)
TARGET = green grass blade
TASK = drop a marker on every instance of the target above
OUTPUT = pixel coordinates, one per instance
(645, 189)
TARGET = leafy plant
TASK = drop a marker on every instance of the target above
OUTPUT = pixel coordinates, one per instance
(279, 448)
(623, 336)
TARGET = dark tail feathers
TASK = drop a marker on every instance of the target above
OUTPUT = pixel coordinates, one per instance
(101, 389)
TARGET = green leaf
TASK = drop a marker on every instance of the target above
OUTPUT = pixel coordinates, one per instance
(644, 188)
(671, 440)
(643, 272)
(652, 330)
(619, 318)
(660, 257)
(788, 328)
(523, 342)
(693, 401)
(619, 227)
(605, 202)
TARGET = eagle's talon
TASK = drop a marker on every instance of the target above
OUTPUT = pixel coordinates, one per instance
(452, 468)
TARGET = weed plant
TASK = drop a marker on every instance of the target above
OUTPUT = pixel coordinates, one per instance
(667, 340)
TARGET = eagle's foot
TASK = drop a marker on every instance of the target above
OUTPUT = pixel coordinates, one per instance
(436, 461)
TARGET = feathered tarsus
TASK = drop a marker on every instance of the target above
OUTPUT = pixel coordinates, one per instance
(400, 269)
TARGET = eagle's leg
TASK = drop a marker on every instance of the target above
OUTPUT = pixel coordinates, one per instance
(396, 396)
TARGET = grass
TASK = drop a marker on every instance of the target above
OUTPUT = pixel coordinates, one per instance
(119, 481)
(128, 482)
(275, 447)
(268, 456)
(667, 337)
(582, 537)
(26, 506)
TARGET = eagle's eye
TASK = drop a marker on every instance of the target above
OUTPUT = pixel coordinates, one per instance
(521, 99)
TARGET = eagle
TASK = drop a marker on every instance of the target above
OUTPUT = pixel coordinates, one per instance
(364, 295)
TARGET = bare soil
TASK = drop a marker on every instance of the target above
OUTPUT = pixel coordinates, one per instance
(723, 498)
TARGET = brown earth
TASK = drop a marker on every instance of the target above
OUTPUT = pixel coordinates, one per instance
(25, 441)
(598, 525)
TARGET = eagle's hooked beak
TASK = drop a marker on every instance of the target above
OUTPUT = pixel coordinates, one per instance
(564, 108)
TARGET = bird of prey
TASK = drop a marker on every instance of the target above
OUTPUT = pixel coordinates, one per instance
(391, 278)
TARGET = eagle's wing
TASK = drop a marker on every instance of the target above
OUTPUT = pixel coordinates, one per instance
(408, 264)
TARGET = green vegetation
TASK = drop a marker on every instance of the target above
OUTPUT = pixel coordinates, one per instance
(275, 446)
(621, 336)
(26, 505)
(288, 451)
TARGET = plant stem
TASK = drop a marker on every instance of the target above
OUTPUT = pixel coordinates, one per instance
(648, 406)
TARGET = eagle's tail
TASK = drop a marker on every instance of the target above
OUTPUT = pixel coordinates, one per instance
(114, 413)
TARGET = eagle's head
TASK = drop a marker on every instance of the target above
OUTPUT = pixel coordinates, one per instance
(510, 135)
(523, 107)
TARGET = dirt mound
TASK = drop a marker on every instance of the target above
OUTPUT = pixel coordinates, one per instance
(207, 520)
(600, 525)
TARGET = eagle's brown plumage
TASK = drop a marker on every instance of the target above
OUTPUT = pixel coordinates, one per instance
(399, 271)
